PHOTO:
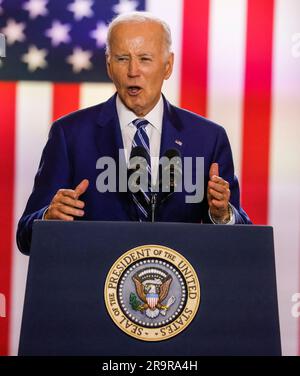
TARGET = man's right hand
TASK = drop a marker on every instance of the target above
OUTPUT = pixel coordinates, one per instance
(65, 204)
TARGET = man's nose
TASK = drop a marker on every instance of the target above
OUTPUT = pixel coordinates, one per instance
(133, 68)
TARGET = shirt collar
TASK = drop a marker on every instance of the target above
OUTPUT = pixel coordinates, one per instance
(126, 116)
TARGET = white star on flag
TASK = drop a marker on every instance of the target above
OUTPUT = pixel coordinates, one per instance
(80, 60)
(36, 8)
(81, 8)
(100, 34)
(125, 6)
(14, 32)
(59, 33)
(35, 58)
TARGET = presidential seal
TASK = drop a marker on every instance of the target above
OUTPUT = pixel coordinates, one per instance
(152, 293)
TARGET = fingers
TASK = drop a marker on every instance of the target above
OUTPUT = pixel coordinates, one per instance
(214, 170)
(218, 188)
(217, 199)
(221, 186)
(219, 204)
(59, 210)
(69, 210)
(55, 214)
(218, 180)
(67, 200)
(218, 194)
(65, 204)
(81, 187)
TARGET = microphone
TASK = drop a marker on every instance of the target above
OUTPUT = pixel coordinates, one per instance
(138, 176)
(138, 168)
(171, 174)
(170, 178)
(138, 151)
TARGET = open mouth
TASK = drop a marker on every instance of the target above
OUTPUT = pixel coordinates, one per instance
(134, 90)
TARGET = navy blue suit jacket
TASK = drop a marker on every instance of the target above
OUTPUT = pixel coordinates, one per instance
(77, 140)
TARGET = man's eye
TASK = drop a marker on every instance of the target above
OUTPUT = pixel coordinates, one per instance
(122, 58)
(146, 58)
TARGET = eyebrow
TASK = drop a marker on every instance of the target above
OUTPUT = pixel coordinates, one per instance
(139, 55)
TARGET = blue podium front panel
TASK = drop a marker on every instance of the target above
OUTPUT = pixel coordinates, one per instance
(65, 312)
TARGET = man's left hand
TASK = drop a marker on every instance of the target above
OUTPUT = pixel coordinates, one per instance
(218, 195)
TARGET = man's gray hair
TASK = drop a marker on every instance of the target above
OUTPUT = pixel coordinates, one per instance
(138, 17)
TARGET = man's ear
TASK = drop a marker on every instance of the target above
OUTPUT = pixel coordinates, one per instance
(169, 65)
(108, 66)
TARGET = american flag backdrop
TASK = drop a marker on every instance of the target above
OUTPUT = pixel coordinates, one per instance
(237, 62)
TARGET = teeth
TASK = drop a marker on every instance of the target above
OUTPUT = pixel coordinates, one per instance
(134, 89)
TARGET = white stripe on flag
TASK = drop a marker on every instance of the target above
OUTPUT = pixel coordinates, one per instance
(94, 93)
(284, 213)
(171, 12)
(226, 63)
(33, 107)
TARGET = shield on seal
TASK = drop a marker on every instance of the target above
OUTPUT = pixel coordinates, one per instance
(152, 300)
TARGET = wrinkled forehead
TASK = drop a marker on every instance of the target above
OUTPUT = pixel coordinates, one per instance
(138, 33)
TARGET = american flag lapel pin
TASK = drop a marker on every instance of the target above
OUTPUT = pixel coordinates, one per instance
(178, 142)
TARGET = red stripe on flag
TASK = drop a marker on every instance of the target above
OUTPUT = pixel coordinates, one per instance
(65, 99)
(257, 109)
(7, 168)
(194, 56)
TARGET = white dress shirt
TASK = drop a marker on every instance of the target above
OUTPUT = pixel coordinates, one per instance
(153, 130)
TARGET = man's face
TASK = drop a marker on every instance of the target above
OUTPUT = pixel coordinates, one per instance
(138, 64)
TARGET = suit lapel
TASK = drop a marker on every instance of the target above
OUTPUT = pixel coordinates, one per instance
(172, 130)
(109, 142)
(109, 137)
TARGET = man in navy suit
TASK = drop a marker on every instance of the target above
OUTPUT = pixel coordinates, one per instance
(139, 59)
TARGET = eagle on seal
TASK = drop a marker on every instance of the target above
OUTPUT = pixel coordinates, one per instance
(152, 286)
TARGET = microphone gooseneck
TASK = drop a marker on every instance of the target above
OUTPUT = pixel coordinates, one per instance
(170, 176)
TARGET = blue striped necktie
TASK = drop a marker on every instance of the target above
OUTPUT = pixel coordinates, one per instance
(141, 138)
